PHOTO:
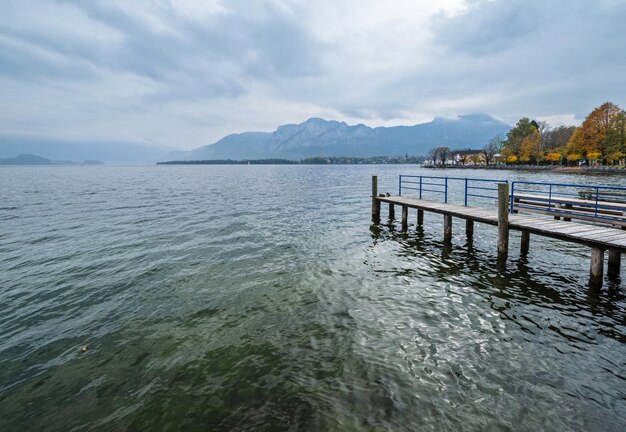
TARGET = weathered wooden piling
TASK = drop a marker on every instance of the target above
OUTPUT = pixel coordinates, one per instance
(375, 201)
(469, 229)
(525, 243)
(615, 262)
(420, 217)
(503, 220)
(597, 266)
(447, 227)
(392, 212)
(405, 218)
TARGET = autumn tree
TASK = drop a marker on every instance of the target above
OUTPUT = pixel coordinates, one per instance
(601, 135)
(575, 150)
(530, 148)
(553, 157)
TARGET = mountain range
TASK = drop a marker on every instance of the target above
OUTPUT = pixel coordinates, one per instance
(29, 159)
(314, 137)
(64, 150)
(319, 137)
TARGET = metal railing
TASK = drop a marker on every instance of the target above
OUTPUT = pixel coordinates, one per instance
(430, 185)
(570, 200)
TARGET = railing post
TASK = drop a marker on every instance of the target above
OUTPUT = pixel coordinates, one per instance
(466, 192)
(400, 185)
(375, 201)
(503, 221)
(597, 192)
(420, 187)
(513, 197)
(446, 191)
(557, 206)
(550, 198)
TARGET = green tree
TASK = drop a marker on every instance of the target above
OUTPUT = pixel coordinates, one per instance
(514, 138)
(615, 141)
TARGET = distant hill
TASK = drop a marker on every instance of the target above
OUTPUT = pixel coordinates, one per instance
(57, 149)
(319, 137)
(29, 159)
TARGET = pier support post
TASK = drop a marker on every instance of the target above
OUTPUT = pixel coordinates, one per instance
(392, 212)
(375, 202)
(447, 228)
(469, 229)
(503, 221)
(615, 261)
(405, 217)
(597, 266)
(525, 243)
(420, 217)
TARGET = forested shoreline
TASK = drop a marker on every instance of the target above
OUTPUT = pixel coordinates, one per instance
(599, 141)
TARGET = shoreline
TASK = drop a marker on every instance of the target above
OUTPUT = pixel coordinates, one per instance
(546, 168)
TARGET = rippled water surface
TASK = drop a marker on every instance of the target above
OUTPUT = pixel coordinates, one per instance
(262, 298)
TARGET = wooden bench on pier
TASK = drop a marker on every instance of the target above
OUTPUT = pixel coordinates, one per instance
(599, 212)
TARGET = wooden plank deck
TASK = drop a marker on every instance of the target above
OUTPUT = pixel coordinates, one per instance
(590, 235)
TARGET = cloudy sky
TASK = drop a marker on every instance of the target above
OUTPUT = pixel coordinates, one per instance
(184, 73)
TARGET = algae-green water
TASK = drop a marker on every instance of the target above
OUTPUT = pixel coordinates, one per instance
(261, 298)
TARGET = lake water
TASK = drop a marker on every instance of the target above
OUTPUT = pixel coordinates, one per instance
(261, 298)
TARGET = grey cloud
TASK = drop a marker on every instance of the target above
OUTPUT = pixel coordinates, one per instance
(263, 63)
(271, 42)
(515, 58)
(25, 57)
(216, 58)
(488, 26)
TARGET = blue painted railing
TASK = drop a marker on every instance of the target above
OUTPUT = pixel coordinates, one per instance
(588, 202)
(576, 200)
(428, 185)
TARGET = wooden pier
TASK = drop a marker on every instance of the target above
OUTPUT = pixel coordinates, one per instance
(598, 238)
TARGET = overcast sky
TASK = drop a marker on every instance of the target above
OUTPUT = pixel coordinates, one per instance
(184, 73)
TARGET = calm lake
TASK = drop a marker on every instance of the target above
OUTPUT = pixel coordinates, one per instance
(262, 298)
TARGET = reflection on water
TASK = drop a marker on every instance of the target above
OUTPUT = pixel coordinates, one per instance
(259, 297)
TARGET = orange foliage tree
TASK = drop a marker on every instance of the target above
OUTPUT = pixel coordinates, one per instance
(553, 157)
(530, 148)
(602, 135)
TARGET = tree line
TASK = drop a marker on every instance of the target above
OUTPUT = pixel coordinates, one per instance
(601, 139)
(319, 160)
